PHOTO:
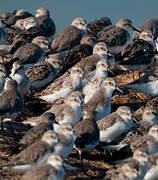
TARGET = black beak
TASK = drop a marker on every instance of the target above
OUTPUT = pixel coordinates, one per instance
(9, 26)
(118, 89)
(134, 29)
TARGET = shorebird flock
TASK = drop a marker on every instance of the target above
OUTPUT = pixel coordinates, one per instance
(76, 72)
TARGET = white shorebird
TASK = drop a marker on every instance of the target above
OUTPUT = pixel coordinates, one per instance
(100, 102)
(115, 124)
(66, 140)
(146, 84)
(43, 73)
(17, 73)
(71, 83)
(134, 168)
(94, 84)
(34, 154)
(70, 109)
(116, 37)
(52, 170)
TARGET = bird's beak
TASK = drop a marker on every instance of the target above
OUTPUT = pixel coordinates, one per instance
(15, 72)
(56, 122)
(9, 26)
(118, 89)
(111, 71)
(134, 29)
(134, 119)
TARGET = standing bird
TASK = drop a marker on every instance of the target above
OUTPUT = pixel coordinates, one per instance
(94, 84)
(47, 25)
(146, 84)
(36, 132)
(31, 53)
(11, 102)
(43, 73)
(69, 110)
(153, 167)
(148, 142)
(17, 73)
(149, 25)
(80, 51)
(86, 133)
(66, 140)
(100, 102)
(98, 25)
(52, 169)
(133, 168)
(139, 54)
(116, 37)
(115, 124)
(72, 83)
(70, 36)
(2, 76)
(34, 154)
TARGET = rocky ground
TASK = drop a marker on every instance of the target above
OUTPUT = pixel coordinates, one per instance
(98, 166)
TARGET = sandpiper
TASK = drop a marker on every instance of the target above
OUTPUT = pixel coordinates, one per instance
(84, 49)
(100, 102)
(46, 23)
(43, 73)
(70, 110)
(86, 133)
(153, 168)
(139, 54)
(2, 76)
(148, 143)
(34, 154)
(31, 53)
(45, 122)
(133, 168)
(115, 124)
(66, 140)
(11, 102)
(17, 73)
(116, 37)
(100, 51)
(149, 25)
(52, 169)
(70, 36)
(94, 84)
(71, 83)
(96, 26)
(146, 84)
